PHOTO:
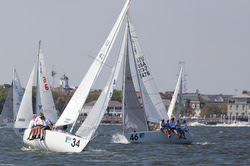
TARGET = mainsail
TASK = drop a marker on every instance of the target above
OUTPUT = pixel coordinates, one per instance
(25, 112)
(47, 104)
(152, 102)
(71, 112)
(7, 112)
(94, 118)
(175, 95)
(17, 94)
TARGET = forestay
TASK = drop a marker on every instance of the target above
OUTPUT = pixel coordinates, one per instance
(7, 112)
(47, 103)
(152, 102)
(94, 118)
(17, 94)
(25, 112)
(71, 112)
(175, 95)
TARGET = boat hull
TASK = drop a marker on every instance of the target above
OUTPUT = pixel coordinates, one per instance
(158, 136)
(6, 125)
(57, 142)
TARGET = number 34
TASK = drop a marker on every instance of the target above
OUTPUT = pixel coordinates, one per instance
(75, 143)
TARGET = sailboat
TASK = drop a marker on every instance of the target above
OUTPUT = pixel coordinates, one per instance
(137, 118)
(75, 142)
(44, 100)
(12, 103)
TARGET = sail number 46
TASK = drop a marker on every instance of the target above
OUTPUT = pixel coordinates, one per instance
(134, 137)
(75, 143)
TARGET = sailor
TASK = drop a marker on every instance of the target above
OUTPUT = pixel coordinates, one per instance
(185, 128)
(47, 125)
(178, 127)
(167, 129)
(162, 125)
(173, 127)
(31, 126)
(39, 125)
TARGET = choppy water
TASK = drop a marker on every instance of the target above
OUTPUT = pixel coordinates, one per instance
(212, 146)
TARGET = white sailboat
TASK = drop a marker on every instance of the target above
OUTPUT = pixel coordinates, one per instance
(12, 103)
(69, 142)
(44, 100)
(137, 117)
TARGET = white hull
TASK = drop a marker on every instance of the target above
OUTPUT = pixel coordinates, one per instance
(57, 142)
(6, 125)
(158, 136)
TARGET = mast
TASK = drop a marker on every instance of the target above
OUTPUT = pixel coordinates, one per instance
(137, 76)
(123, 79)
(37, 80)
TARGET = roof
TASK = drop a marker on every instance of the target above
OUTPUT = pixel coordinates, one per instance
(111, 103)
(241, 96)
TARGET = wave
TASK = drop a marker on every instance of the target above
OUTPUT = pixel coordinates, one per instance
(119, 138)
(238, 124)
(204, 143)
(196, 124)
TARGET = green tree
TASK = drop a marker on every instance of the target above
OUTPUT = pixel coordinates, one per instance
(117, 95)
(210, 109)
(3, 95)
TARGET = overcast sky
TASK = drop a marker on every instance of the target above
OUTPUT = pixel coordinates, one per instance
(212, 37)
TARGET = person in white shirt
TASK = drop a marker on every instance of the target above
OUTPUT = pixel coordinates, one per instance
(173, 127)
(31, 126)
(46, 126)
(37, 125)
(185, 129)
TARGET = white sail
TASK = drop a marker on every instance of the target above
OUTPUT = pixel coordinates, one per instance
(7, 111)
(175, 95)
(17, 94)
(94, 118)
(179, 102)
(47, 103)
(25, 112)
(152, 102)
(71, 112)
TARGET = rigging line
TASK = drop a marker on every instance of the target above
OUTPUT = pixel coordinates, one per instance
(100, 61)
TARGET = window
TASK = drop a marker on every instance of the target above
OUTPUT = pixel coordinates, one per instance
(231, 106)
(243, 107)
(237, 114)
(237, 106)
